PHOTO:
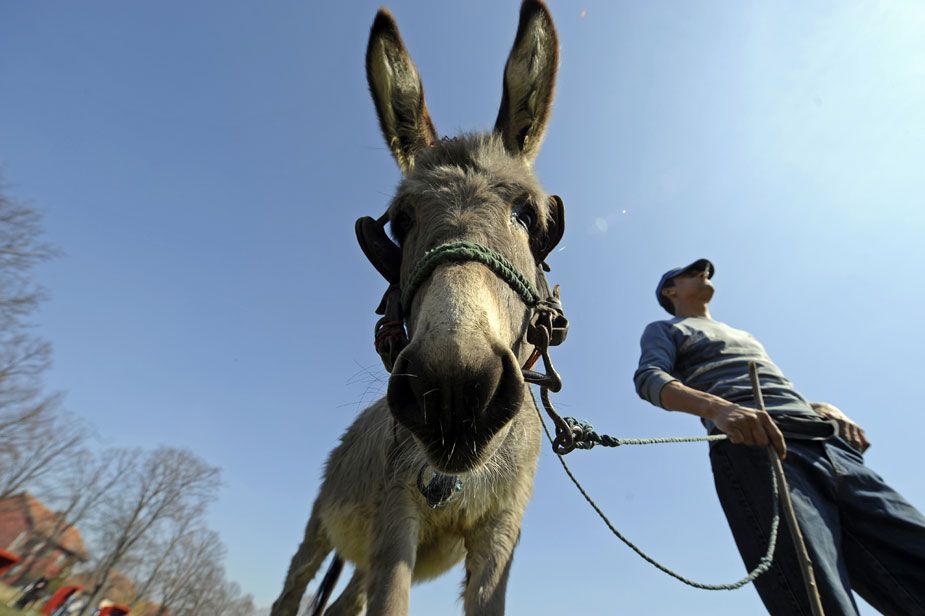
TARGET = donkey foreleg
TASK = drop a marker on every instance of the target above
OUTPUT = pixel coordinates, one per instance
(315, 547)
(353, 600)
(393, 552)
(490, 550)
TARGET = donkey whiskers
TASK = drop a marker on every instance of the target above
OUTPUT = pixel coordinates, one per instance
(424, 406)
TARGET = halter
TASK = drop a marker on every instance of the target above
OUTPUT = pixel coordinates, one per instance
(468, 251)
(547, 325)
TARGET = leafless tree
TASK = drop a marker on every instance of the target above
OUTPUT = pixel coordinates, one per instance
(34, 433)
(239, 605)
(23, 356)
(152, 500)
(191, 578)
(162, 484)
(226, 599)
(195, 566)
(74, 492)
(23, 359)
(212, 594)
(42, 445)
(21, 249)
(156, 570)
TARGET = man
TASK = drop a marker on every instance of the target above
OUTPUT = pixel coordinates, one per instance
(861, 534)
(31, 593)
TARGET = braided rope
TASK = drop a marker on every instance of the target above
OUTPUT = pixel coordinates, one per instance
(586, 438)
(763, 565)
(468, 251)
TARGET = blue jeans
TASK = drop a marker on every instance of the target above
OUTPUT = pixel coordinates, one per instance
(860, 533)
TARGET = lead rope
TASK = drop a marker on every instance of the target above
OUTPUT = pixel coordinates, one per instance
(540, 333)
(763, 565)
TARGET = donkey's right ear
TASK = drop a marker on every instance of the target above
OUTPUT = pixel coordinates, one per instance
(529, 82)
(397, 92)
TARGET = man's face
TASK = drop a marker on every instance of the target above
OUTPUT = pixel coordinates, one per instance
(691, 286)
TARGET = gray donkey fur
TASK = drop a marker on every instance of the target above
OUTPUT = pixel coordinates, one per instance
(456, 400)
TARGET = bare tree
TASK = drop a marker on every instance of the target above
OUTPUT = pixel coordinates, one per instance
(130, 495)
(194, 569)
(75, 491)
(238, 604)
(26, 417)
(189, 578)
(23, 356)
(224, 598)
(34, 434)
(23, 359)
(157, 568)
(163, 484)
(20, 251)
(39, 447)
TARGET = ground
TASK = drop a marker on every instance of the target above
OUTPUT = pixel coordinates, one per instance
(8, 595)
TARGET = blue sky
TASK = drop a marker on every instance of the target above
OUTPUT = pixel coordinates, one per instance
(200, 165)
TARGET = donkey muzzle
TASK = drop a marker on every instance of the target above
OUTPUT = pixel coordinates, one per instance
(455, 411)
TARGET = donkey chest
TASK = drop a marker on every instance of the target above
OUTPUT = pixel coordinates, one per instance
(443, 531)
(482, 496)
(440, 532)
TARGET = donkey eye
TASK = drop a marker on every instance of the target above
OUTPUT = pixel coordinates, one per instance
(400, 225)
(523, 214)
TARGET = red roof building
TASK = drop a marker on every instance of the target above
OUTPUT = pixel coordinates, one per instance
(27, 526)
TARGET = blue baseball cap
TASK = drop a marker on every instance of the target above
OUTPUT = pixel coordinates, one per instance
(700, 265)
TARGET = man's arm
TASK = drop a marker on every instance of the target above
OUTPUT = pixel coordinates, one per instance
(656, 361)
(655, 383)
(744, 426)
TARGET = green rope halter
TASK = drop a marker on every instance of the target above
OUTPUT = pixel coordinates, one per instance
(468, 251)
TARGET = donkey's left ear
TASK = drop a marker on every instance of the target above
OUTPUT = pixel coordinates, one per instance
(529, 81)
(397, 92)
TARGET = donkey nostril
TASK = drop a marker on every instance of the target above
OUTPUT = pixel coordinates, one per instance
(400, 390)
(470, 395)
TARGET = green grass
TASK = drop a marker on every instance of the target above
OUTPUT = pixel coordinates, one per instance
(5, 610)
(8, 595)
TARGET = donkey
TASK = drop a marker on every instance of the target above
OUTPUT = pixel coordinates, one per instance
(457, 403)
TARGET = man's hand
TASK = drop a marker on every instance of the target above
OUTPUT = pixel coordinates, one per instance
(743, 425)
(747, 426)
(847, 429)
